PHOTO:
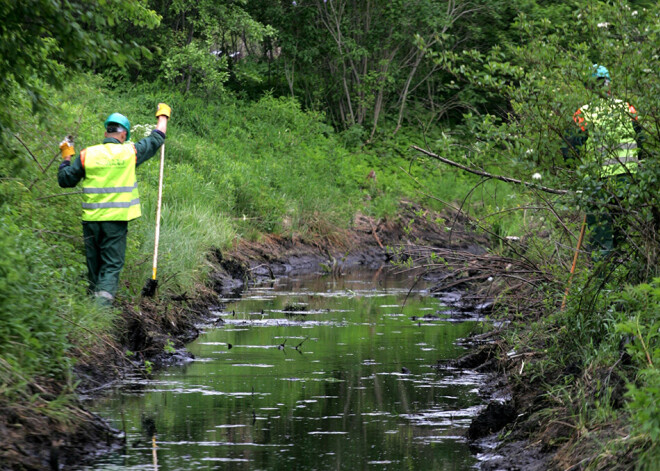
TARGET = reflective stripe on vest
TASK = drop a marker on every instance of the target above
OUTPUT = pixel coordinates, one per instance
(110, 204)
(611, 135)
(110, 191)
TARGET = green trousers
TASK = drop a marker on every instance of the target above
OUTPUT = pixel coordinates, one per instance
(605, 235)
(105, 248)
(604, 225)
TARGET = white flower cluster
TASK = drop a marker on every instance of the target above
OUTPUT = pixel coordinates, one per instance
(144, 129)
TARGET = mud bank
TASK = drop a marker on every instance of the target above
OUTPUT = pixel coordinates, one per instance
(369, 244)
(500, 435)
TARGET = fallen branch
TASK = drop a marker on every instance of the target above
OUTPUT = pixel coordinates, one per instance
(467, 216)
(490, 175)
(373, 231)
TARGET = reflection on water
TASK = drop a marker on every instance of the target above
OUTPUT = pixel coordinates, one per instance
(306, 374)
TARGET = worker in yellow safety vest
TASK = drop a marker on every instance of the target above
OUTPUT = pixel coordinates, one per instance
(609, 134)
(110, 195)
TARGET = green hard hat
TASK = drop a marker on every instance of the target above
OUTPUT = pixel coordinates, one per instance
(120, 119)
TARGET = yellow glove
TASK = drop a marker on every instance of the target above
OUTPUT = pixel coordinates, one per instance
(66, 146)
(163, 110)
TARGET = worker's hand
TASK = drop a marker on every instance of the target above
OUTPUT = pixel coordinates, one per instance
(66, 146)
(163, 110)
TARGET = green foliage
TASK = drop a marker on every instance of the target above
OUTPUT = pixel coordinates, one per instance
(169, 347)
(33, 339)
(192, 64)
(361, 61)
(545, 75)
(641, 305)
(41, 40)
(200, 45)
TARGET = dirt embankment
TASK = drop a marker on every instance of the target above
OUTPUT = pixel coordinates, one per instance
(152, 329)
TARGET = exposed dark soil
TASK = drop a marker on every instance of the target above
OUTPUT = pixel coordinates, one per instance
(369, 244)
(500, 435)
(166, 324)
(520, 429)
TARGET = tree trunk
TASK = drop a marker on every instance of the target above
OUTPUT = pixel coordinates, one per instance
(290, 77)
(378, 105)
(406, 88)
(189, 79)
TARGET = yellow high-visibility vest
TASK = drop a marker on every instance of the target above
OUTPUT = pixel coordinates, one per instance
(611, 135)
(110, 191)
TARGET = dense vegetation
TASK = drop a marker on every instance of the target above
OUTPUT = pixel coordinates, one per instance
(281, 110)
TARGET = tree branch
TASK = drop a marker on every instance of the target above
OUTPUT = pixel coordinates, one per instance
(30, 152)
(489, 175)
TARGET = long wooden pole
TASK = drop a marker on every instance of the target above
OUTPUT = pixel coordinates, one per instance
(160, 200)
(575, 258)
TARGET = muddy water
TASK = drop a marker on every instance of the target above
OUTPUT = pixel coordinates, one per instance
(307, 374)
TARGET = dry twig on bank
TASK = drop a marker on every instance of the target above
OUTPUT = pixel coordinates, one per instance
(488, 274)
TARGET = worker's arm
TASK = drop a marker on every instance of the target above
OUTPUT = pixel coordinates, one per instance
(146, 148)
(162, 123)
(640, 137)
(575, 137)
(69, 174)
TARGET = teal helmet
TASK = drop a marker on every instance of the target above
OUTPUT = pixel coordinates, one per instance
(600, 72)
(120, 119)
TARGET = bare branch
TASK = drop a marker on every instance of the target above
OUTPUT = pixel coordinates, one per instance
(490, 175)
(29, 152)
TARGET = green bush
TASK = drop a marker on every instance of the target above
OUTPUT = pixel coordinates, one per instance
(33, 339)
(641, 305)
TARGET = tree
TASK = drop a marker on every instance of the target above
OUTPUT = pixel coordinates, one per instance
(200, 44)
(361, 61)
(40, 40)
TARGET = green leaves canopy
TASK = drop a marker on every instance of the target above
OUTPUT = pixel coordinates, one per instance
(40, 40)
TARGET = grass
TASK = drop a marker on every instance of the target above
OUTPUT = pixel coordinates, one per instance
(596, 370)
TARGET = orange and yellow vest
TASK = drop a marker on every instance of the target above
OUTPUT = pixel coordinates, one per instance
(611, 135)
(110, 191)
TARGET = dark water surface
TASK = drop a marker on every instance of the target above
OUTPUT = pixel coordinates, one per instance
(358, 392)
